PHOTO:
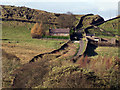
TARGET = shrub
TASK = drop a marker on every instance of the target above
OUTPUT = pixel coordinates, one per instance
(72, 77)
(105, 67)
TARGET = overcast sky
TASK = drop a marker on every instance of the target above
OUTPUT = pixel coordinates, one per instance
(105, 8)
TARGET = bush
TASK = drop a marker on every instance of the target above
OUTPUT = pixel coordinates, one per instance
(72, 77)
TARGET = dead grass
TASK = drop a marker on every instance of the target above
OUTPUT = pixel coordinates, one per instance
(10, 63)
(100, 64)
(26, 51)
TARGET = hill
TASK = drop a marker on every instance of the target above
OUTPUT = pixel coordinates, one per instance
(107, 28)
(50, 20)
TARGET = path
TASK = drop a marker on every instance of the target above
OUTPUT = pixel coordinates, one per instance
(80, 51)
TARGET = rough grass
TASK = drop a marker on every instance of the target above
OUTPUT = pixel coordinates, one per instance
(38, 71)
(61, 73)
(105, 67)
(9, 63)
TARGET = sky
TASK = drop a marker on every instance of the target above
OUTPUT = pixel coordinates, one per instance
(105, 8)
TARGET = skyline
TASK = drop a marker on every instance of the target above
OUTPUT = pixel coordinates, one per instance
(106, 9)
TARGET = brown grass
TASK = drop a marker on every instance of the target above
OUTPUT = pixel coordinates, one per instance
(83, 61)
(98, 64)
(106, 67)
(24, 52)
(10, 63)
(101, 65)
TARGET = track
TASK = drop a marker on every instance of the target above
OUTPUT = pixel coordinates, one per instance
(83, 46)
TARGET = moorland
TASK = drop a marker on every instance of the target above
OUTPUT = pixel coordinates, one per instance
(51, 62)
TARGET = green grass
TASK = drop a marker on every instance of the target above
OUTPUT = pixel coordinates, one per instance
(16, 31)
(109, 28)
(110, 25)
(106, 51)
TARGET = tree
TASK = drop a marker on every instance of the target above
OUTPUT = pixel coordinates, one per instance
(37, 31)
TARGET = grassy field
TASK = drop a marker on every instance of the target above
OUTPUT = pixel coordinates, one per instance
(17, 40)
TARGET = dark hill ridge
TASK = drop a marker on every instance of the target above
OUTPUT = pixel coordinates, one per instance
(54, 20)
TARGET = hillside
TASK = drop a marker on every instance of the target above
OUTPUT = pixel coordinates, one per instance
(108, 28)
(50, 20)
(24, 13)
(94, 24)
